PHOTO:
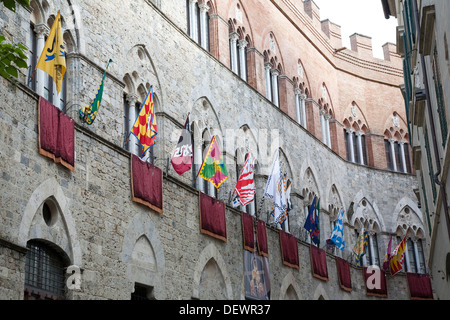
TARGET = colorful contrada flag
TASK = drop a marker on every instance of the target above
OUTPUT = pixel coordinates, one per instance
(144, 128)
(182, 156)
(387, 256)
(359, 250)
(312, 224)
(53, 56)
(396, 260)
(245, 187)
(275, 190)
(88, 114)
(337, 236)
(213, 168)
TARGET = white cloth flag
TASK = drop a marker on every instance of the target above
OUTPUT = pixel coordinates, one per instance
(276, 190)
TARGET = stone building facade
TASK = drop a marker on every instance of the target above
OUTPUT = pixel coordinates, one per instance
(260, 76)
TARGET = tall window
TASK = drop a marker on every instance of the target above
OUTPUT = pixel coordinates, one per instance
(397, 155)
(300, 107)
(355, 144)
(198, 22)
(272, 89)
(44, 273)
(414, 260)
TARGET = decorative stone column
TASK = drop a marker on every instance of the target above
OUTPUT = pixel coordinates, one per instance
(132, 99)
(393, 158)
(267, 67)
(242, 59)
(297, 93)
(350, 142)
(360, 146)
(233, 51)
(275, 74)
(193, 20)
(402, 154)
(41, 31)
(303, 110)
(327, 129)
(204, 25)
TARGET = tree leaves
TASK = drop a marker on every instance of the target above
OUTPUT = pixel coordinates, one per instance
(12, 56)
(11, 4)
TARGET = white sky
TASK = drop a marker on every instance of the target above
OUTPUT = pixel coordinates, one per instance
(365, 17)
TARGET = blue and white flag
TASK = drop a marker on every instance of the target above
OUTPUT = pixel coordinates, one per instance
(337, 236)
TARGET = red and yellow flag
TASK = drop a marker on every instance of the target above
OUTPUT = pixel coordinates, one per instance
(396, 259)
(144, 128)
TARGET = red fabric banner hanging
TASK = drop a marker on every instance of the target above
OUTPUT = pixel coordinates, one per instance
(261, 234)
(419, 286)
(318, 263)
(56, 134)
(289, 250)
(370, 279)
(343, 269)
(212, 217)
(248, 232)
(146, 184)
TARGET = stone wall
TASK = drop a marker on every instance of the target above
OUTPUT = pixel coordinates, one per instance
(117, 242)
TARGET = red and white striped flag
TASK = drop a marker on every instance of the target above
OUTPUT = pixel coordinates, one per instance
(245, 187)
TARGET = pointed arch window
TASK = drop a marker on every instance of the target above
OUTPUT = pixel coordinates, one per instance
(355, 145)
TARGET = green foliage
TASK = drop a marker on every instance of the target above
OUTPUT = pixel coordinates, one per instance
(11, 4)
(12, 56)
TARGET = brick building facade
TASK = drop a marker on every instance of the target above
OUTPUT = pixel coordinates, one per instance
(260, 76)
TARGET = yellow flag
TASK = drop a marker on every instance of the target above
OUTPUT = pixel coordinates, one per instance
(53, 57)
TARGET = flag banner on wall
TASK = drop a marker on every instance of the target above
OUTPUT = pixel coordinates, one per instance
(245, 187)
(275, 190)
(312, 222)
(182, 156)
(146, 184)
(261, 236)
(359, 250)
(345, 280)
(289, 250)
(88, 114)
(256, 276)
(145, 128)
(318, 263)
(212, 217)
(337, 236)
(53, 56)
(248, 232)
(56, 134)
(387, 256)
(419, 286)
(396, 260)
(213, 168)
